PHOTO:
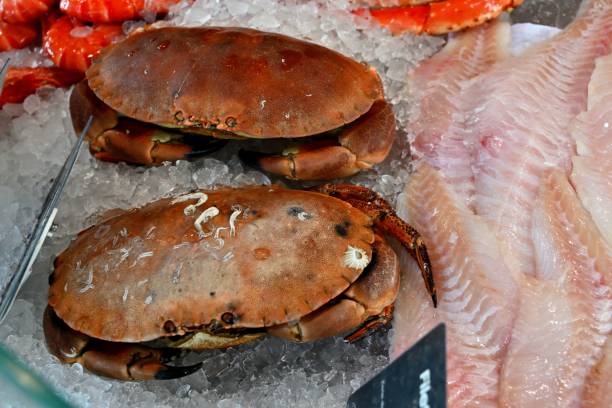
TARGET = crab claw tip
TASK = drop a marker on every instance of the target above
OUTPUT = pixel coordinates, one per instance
(169, 354)
(172, 372)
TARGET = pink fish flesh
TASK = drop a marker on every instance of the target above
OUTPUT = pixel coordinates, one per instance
(437, 133)
(476, 291)
(592, 178)
(592, 131)
(522, 128)
(598, 389)
(565, 313)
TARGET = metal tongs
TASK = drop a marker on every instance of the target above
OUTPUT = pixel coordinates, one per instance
(3, 73)
(42, 226)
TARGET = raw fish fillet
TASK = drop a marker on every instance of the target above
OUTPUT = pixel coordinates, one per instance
(437, 131)
(565, 312)
(476, 291)
(592, 131)
(592, 178)
(522, 128)
(598, 390)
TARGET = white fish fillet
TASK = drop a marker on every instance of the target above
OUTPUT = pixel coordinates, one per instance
(598, 390)
(437, 131)
(592, 178)
(476, 291)
(592, 131)
(522, 128)
(565, 312)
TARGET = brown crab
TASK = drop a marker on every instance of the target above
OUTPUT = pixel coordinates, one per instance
(155, 94)
(222, 268)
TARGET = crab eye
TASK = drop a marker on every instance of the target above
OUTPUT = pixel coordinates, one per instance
(356, 258)
(169, 326)
(228, 318)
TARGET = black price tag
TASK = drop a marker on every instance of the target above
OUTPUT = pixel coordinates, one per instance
(416, 379)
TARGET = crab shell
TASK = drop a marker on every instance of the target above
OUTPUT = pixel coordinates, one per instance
(270, 256)
(161, 93)
(250, 83)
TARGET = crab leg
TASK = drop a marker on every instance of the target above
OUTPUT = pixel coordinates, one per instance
(133, 142)
(114, 139)
(439, 17)
(387, 220)
(364, 307)
(122, 361)
(83, 104)
(359, 146)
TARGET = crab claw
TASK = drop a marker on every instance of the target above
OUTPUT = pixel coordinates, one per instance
(360, 145)
(114, 139)
(172, 372)
(122, 361)
(389, 222)
(126, 361)
(134, 143)
(321, 160)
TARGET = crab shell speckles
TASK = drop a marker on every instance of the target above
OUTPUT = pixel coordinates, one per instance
(244, 81)
(284, 259)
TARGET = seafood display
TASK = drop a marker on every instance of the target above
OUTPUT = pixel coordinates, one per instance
(200, 276)
(302, 90)
(434, 16)
(502, 158)
(34, 139)
(530, 296)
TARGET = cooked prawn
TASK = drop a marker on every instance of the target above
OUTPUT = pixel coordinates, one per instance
(23, 11)
(13, 36)
(105, 11)
(72, 45)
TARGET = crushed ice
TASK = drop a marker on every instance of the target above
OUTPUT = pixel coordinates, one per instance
(35, 138)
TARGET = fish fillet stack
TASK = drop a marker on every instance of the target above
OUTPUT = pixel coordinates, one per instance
(512, 192)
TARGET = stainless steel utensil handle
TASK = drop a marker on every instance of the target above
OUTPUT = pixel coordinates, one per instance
(41, 229)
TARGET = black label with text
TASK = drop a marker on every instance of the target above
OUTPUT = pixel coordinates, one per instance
(415, 379)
